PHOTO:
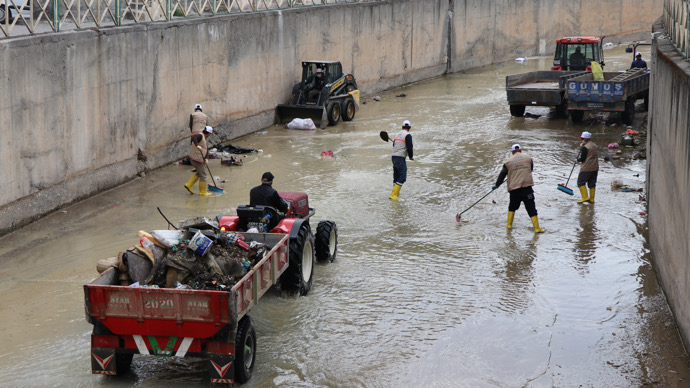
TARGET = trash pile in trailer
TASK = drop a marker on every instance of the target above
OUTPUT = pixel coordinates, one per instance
(197, 255)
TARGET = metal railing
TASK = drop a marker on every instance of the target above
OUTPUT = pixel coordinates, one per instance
(22, 17)
(677, 19)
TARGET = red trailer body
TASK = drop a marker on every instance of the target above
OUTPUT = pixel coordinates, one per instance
(180, 322)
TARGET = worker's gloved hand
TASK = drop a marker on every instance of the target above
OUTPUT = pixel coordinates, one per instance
(494, 187)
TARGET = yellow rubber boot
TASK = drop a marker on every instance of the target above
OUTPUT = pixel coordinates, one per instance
(535, 222)
(591, 194)
(190, 183)
(583, 191)
(511, 215)
(202, 189)
(396, 191)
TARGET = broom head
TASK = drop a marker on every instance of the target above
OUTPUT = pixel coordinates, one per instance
(566, 190)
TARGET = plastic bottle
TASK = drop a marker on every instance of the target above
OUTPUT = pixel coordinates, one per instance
(146, 243)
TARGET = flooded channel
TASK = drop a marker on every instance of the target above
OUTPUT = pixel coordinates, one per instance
(413, 299)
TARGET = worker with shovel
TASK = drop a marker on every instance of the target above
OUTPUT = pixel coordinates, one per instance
(402, 148)
(519, 168)
(198, 150)
(589, 157)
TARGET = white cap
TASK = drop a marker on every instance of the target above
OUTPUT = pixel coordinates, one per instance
(208, 129)
(638, 54)
(197, 106)
(318, 70)
(586, 135)
(515, 147)
(406, 123)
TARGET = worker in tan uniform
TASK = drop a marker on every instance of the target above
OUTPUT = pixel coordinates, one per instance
(589, 170)
(518, 168)
(198, 149)
(197, 120)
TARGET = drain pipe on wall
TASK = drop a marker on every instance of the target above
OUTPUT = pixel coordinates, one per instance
(449, 53)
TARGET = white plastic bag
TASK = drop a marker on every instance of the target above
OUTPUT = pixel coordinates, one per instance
(301, 124)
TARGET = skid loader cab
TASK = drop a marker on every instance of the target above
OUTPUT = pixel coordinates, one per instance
(577, 53)
(339, 98)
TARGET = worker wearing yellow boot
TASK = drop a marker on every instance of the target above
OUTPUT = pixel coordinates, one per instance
(589, 170)
(402, 148)
(198, 149)
(518, 168)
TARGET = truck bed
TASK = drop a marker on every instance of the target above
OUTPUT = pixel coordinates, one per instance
(538, 87)
(616, 87)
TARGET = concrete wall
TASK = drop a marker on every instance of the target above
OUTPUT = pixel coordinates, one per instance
(668, 177)
(85, 111)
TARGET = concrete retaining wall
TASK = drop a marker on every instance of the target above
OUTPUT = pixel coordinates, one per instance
(85, 111)
(668, 177)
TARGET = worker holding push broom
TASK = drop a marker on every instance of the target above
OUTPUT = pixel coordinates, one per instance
(589, 157)
(519, 168)
(197, 155)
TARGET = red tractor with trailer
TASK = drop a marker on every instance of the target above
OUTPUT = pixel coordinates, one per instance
(211, 324)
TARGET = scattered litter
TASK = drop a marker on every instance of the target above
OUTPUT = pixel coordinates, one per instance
(521, 60)
(607, 45)
(493, 201)
(532, 116)
(617, 185)
(401, 95)
(229, 148)
(264, 132)
(301, 124)
(613, 145)
(232, 161)
(377, 98)
(327, 154)
(631, 132)
(643, 213)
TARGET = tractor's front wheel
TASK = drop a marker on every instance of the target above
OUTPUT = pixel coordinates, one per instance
(245, 350)
(348, 109)
(326, 241)
(299, 275)
(333, 113)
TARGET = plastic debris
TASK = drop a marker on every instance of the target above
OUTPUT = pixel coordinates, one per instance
(613, 145)
(521, 60)
(327, 154)
(301, 124)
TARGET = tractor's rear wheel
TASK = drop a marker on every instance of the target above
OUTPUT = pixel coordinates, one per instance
(517, 110)
(348, 109)
(333, 113)
(245, 350)
(576, 115)
(629, 113)
(326, 241)
(300, 273)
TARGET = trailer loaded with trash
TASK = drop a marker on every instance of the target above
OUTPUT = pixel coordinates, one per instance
(187, 291)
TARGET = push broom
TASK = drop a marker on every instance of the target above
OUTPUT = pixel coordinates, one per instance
(564, 187)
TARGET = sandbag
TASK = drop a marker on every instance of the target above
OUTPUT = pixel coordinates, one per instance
(104, 264)
(301, 124)
(597, 72)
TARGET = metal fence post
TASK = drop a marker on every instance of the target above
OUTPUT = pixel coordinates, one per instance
(56, 15)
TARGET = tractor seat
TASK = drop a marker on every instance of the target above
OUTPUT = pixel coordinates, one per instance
(254, 217)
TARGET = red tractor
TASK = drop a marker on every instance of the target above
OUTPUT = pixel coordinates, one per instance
(304, 247)
(578, 52)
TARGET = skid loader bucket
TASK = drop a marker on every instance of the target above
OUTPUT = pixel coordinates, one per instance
(286, 112)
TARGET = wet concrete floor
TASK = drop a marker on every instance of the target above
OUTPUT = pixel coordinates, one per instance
(413, 298)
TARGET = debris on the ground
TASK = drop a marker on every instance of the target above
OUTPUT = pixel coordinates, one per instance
(617, 185)
(301, 124)
(377, 98)
(327, 154)
(197, 256)
(232, 161)
(401, 95)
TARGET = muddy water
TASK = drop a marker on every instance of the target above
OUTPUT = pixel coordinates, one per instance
(413, 298)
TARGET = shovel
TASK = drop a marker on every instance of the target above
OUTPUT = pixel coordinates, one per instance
(384, 136)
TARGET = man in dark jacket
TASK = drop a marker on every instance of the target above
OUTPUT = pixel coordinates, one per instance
(638, 62)
(266, 195)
